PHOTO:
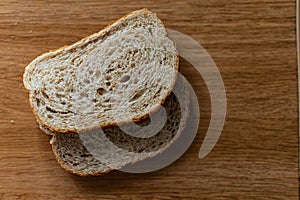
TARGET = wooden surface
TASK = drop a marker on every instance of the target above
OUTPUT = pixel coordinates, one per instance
(253, 44)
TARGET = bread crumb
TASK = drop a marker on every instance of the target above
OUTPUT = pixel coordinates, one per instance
(12, 121)
(52, 140)
(30, 31)
(12, 37)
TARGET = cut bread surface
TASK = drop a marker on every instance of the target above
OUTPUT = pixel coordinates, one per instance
(115, 76)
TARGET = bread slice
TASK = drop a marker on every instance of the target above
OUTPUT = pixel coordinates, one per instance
(118, 75)
(94, 153)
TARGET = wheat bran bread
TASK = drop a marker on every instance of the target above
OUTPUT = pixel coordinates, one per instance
(120, 74)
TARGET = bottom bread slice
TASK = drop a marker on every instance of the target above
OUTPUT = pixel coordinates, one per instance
(74, 156)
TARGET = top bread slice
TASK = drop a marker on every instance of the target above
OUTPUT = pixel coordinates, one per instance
(120, 74)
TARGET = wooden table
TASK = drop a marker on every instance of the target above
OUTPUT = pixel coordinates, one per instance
(254, 46)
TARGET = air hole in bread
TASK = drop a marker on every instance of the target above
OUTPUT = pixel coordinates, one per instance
(68, 154)
(150, 31)
(108, 83)
(137, 95)
(135, 81)
(107, 77)
(73, 61)
(59, 95)
(101, 91)
(97, 74)
(110, 70)
(50, 116)
(50, 110)
(87, 81)
(125, 79)
(38, 102)
(159, 90)
(45, 95)
(79, 62)
(84, 94)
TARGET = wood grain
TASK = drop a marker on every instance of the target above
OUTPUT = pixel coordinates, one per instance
(252, 42)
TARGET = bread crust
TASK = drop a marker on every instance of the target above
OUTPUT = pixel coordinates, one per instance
(107, 30)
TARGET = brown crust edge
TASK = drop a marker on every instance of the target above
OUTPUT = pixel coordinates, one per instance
(108, 125)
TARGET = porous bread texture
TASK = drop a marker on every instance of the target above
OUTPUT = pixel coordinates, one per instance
(72, 156)
(115, 76)
(101, 157)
